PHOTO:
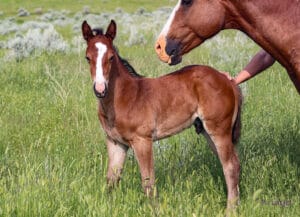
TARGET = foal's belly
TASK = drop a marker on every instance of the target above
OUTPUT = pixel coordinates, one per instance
(173, 126)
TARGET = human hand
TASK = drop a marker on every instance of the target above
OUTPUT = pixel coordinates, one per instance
(227, 75)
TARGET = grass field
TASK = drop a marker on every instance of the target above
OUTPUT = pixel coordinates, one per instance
(52, 154)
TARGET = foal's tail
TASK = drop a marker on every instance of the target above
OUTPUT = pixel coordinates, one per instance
(236, 131)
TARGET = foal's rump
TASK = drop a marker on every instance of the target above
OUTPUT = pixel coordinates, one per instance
(219, 99)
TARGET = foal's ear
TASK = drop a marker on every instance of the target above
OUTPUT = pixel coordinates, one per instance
(87, 32)
(111, 30)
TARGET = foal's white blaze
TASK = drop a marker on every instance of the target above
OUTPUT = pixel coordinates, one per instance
(166, 28)
(100, 81)
(99, 68)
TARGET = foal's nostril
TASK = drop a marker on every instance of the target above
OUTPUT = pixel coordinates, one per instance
(99, 94)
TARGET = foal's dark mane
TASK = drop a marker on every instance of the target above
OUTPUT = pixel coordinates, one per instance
(129, 67)
(131, 70)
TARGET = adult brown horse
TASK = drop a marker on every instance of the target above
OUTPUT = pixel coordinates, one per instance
(134, 111)
(274, 25)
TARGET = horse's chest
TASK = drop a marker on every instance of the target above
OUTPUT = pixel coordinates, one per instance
(109, 126)
(115, 135)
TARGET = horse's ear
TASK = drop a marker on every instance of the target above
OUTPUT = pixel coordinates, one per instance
(111, 30)
(87, 32)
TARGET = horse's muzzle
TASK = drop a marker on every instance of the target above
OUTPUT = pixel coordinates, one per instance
(100, 92)
(168, 50)
(173, 48)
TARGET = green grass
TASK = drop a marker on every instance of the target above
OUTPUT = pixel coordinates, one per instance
(53, 158)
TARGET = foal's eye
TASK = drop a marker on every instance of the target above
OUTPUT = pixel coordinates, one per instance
(186, 2)
(88, 59)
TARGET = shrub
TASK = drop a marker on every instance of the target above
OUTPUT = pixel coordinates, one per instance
(36, 41)
(38, 11)
(8, 26)
(23, 12)
(135, 37)
(36, 36)
(86, 10)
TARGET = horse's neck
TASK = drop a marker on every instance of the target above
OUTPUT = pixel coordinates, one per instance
(245, 16)
(120, 74)
(119, 80)
(257, 20)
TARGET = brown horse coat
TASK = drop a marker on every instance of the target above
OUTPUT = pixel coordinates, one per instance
(134, 111)
(274, 25)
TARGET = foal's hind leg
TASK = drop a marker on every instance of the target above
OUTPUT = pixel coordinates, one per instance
(231, 166)
(116, 158)
(210, 143)
(200, 129)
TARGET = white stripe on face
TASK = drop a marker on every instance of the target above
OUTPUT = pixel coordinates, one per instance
(99, 68)
(170, 20)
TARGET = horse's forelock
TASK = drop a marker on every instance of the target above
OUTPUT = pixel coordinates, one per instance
(98, 31)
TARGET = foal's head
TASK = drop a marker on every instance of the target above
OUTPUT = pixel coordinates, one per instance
(100, 55)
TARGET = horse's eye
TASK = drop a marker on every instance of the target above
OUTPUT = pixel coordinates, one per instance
(186, 2)
(111, 58)
(88, 59)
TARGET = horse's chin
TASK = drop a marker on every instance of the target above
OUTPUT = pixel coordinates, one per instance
(174, 60)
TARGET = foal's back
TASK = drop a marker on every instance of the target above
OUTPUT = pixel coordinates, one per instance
(196, 83)
(172, 102)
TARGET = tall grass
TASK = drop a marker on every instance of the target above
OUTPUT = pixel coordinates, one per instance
(53, 158)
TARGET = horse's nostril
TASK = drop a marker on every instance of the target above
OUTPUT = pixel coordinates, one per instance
(170, 50)
(158, 47)
(171, 47)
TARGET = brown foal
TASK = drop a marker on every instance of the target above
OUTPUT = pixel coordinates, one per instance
(134, 111)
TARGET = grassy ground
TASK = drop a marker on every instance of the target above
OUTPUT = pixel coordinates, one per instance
(53, 158)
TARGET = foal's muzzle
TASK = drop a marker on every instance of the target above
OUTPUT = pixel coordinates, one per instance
(100, 93)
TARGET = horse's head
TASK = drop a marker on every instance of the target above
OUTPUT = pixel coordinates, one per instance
(100, 55)
(190, 24)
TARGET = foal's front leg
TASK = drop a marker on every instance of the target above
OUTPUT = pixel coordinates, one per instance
(144, 154)
(116, 158)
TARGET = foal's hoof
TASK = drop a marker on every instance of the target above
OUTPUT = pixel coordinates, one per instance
(232, 206)
(112, 184)
(232, 212)
(151, 192)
